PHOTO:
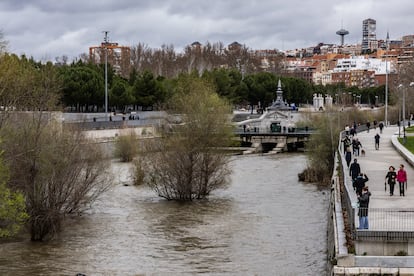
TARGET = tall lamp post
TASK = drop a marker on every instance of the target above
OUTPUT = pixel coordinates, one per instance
(106, 73)
(403, 108)
(386, 80)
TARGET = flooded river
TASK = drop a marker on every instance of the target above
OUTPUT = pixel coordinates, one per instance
(264, 223)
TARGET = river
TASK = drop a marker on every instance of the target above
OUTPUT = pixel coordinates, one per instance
(264, 223)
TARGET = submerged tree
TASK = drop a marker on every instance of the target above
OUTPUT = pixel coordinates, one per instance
(185, 163)
(126, 147)
(57, 170)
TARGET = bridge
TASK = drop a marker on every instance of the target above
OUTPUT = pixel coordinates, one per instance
(274, 142)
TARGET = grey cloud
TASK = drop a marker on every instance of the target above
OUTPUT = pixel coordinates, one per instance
(42, 28)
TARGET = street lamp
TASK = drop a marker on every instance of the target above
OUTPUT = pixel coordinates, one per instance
(403, 108)
(106, 73)
(411, 85)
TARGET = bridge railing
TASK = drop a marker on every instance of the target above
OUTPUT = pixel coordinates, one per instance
(390, 219)
(348, 197)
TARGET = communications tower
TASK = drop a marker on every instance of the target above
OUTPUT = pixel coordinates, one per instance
(342, 33)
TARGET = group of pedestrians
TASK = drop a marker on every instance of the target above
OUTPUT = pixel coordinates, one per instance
(393, 177)
(352, 146)
(360, 179)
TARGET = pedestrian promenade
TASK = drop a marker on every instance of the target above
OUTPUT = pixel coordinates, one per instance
(375, 165)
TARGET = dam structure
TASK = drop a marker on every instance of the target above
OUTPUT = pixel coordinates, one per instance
(275, 130)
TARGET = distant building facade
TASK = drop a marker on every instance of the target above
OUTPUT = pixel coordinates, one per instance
(119, 57)
(369, 35)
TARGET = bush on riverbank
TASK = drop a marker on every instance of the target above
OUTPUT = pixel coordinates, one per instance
(126, 147)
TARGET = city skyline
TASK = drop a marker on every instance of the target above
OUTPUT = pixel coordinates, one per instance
(48, 29)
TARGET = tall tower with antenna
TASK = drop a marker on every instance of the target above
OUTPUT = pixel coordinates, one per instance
(342, 33)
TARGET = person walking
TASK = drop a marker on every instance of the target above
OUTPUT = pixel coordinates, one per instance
(368, 124)
(402, 179)
(348, 156)
(346, 142)
(354, 170)
(381, 126)
(359, 183)
(347, 130)
(390, 179)
(377, 140)
(356, 146)
(363, 201)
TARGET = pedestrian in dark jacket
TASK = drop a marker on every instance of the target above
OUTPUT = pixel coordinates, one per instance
(346, 142)
(391, 178)
(363, 201)
(381, 126)
(348, 156)
(356, 145)
(377, 139)
(354, 170)
(359, 183)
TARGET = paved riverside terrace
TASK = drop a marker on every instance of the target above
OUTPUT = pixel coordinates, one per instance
(375, 165)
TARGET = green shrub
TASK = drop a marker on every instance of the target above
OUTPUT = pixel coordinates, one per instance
(138, 172)
(401, 253)
(12, 212)
(126, 147)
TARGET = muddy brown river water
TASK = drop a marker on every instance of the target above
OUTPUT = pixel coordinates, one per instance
(264, 223)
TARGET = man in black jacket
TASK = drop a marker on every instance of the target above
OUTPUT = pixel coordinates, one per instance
(359, 183)
(354, 170)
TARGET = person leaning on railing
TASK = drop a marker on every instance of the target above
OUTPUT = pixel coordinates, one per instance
(363, 201)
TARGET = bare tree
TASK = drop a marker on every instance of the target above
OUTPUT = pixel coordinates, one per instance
(406, 79)
(58, 171)
(3, 43)
(187, 164)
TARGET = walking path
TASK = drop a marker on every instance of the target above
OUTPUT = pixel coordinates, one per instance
(375, 165)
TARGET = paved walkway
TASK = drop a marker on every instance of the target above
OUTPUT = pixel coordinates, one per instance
(375, 165)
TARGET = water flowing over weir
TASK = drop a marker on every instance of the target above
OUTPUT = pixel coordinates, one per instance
(264, 223)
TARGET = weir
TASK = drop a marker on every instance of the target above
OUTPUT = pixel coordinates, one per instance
(271, 142)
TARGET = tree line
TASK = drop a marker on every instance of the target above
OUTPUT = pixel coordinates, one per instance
(84, 91)
(48, 172)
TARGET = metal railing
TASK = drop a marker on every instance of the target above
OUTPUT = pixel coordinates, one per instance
(387, 219)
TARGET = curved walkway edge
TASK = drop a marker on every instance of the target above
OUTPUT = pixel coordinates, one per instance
(375, 164)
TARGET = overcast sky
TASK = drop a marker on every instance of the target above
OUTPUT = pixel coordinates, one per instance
(46, 29)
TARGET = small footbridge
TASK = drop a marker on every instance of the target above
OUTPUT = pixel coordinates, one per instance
(269, 142)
